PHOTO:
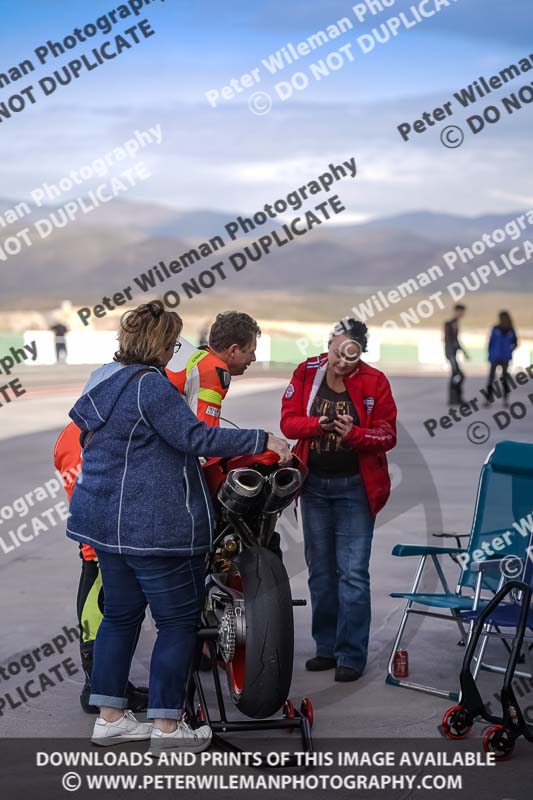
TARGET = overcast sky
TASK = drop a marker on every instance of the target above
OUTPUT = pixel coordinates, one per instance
(230, 159)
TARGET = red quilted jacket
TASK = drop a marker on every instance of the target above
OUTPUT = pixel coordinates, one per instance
(371, 395)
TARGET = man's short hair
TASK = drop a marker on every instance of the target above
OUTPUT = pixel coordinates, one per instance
(459, 307)
(232, 327)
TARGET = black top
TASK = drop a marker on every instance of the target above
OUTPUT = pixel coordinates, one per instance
(451, 337)
(329, 455)
(59, 330)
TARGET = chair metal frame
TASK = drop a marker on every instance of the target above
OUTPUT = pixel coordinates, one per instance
(473, 578)
(490, 630)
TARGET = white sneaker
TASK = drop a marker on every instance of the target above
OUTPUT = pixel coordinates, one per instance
(125, 729)
(183, 738)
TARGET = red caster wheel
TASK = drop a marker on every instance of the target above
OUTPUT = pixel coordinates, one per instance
(289, 711)
(200, 716)
(307, 710)
(457, 723)
(497, 740)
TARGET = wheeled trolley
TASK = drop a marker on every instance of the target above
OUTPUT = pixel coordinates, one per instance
(503, 732)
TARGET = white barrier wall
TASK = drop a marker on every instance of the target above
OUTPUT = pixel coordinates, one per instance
(91, 347)
(425, 347)
(98, 347)
(83, 347)
(264, 347)
(46, 347)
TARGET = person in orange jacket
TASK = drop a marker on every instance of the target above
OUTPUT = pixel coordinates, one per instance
(206, 378)
(204, 381)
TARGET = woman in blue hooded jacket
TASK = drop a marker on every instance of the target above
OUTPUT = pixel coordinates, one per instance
(141, 502)
(502, 344)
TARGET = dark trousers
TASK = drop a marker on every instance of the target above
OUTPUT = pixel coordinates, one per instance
(338, 529)
(173, 587)
(90, 610)
(492, 375)
(455, 391)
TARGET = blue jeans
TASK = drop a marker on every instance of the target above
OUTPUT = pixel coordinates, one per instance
(338, 529)
(173, 588)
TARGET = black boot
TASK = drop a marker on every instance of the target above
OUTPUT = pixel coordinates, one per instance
(137, 697)
(84, 699)
(86, 654)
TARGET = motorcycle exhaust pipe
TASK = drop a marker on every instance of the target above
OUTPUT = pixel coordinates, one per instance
(284, 484)
(240, 490)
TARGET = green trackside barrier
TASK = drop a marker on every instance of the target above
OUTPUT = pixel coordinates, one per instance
(284, 350)
(399, 354)
(8, 340)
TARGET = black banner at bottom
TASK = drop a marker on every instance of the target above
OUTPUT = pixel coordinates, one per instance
(390, 769)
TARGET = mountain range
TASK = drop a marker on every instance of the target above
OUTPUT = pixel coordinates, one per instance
(103, 251)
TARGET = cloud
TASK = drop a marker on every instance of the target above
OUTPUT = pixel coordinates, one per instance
(229, 159)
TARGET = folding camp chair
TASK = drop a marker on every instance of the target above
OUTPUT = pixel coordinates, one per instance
(502, 527)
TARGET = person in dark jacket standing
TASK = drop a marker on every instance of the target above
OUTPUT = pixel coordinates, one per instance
(343, 414)
(141, 502)
(451, 348)
(502, 343)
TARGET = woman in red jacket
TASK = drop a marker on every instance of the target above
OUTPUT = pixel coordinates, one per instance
(343, 414)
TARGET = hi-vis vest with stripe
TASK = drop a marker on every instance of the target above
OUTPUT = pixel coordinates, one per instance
(204, 382)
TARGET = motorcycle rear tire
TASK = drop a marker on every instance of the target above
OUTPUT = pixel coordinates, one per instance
(260, 676)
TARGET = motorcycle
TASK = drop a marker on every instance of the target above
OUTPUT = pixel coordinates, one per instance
(248, 598)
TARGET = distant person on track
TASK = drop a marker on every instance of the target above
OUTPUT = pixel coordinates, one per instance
(140, 501)
(451, 348)
(502, 343)
(60, 331)
(343, 415)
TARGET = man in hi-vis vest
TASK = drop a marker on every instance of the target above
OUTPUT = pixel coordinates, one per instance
(207, 375)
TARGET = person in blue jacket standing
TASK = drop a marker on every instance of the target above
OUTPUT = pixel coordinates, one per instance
(502, 343)
(141, 502)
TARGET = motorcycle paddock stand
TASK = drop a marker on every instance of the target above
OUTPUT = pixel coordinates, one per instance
(459, 720)
(293, 718)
